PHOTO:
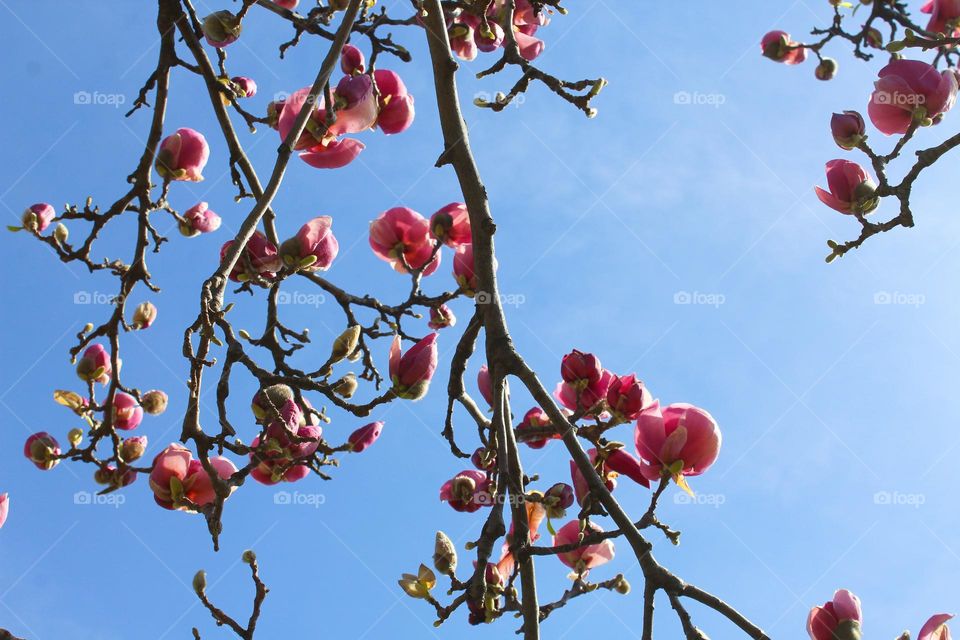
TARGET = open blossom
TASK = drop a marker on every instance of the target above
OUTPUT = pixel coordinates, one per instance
(617, 462)
(183, 155)
(199, 219)
(852, 190)
(313, 248)
(535, 418)
(259, 258)
(144, 315)
(247, 87)
(679, 440)
(365, 436)
(936, 628)
(176, 477)
(37, 217)
(352, 60)
(319, 146)
(411, 372)
(441, 317)
(778, 46)
(221, 28)
(627, 397)
(839, 619)
(94, 365)
(42, 450)
(944, 16)
(4, 508)
(283, 458)
(848, 129)
(587, 557)
(468, 491)
(396, 105)
(910, 91)
(451, 225)
(585, 383)
(127, 413)
(401, 237)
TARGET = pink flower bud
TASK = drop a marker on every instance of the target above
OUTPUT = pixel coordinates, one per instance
(133, 448)
(287, 4)
(467, 492)
(154, 402)
(176, 478)
(464, 272)
(778, 46)
(848, 129)
(396, 105)
(95, 366)
(351, 60)
(944, 16)
(530, 47)
(584, 558)
(461, 36)
(484, 459)
(182, 156)
(412, 371)
(581, 489)
(838, 619)
(199, 219)
(451, 225)
(621, 462)
(247, 87)
(356, 105)
(42, 450)
(680, 440)
(313, 248)
(127, 414)
(288, 446)
(144, 315)
(535, 418)
(557, 499)
(485, 384)
(259, 258)
(4, 508)
(627, 397)
(364, 436)
(873, 38)
(441, 317)
(38, 217)
(400, 236)
(852, 190)
(109, 475)
(221, 28)
(933, 629)
(577, 366)
(910, 91)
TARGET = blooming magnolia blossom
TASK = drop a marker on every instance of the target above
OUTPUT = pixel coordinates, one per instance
(396, 105)
(839, 618)
(451, 225)
(4, 508)
(936, 627)
(535, 418)
(944, 17)
(95, 365)
(287, 445)
(680, 440)
(411, 372)
(183, 155)
(127, 412)
(365, 436)
(779, 47)
(586, 557)
(313, 248)
(441, 317)
(259, 258)
(852, 189)
(468, 491)
(199, 219)
(319, 145)
(627, 397)
(176, 478)
(401, 237)
(909, 92)
(42, 450)
(585, 383)
(468, 35)
(144, 315)
(848, 129)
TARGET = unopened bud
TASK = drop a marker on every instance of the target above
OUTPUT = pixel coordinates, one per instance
(200, 581)
(61, 233)
(346, 386)
(249, 557)
(154, 402)
(346, 344)
(75, 437)
(444, 554)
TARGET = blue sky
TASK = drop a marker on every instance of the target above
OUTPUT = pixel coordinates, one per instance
(836, 409)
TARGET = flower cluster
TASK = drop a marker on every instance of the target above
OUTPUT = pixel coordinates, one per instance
(470, 33)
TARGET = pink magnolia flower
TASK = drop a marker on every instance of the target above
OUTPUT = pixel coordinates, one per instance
(909, 91)
(839, 618)
(4, 508)
(400, 236)
(848, 129)
(247, 86)
(412, 371)
(258, 258)
(583, 388)
(313, 248)
(627, 397)
(37, 217)
(396, 105)
(933, 629)
(183, 155)
(42, 450)
(586, 557)
(127, 413)
(944, 16)
(625, 464)
(221, 28)
(679, 440)
(852, 189)
(333, 155)
(288, 444)
(484, 459)
(144, 315)
(530, 47)
(95, 365)
(318, 145)
(535, 418)
(288, 4)
(365, 436)
(463, 270)
(113, 477)
(618, 462)
(467, 491)
(441, 317)
(557, 499)
(352, 60)
(199, 219)
(356, 105)
(451, 225)
(485, 384)
(778, 46)
(176, 477)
